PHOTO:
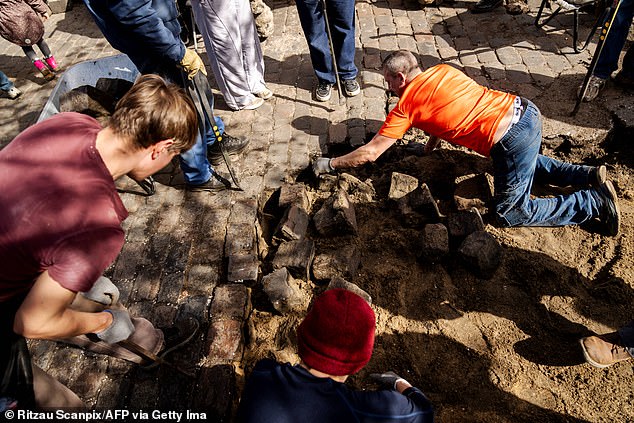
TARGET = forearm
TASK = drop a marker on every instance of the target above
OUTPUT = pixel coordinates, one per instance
(70, 323)
(355, 158)
(364, 154)
(45, 313)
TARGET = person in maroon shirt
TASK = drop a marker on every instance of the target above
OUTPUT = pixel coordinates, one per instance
(60, 224)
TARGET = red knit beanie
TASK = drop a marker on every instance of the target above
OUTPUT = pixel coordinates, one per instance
(337, 335)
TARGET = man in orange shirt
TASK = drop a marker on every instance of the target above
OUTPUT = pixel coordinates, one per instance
(447, 104)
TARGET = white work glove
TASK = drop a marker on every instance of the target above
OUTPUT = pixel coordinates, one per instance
(387, 379)
(103, 291)
(120, 329)
(322, 165)
(192, 63)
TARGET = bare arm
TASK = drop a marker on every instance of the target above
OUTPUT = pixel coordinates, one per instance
(364, 154)
(45, 313)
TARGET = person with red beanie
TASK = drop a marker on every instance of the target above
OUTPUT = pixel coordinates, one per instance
(334, 340)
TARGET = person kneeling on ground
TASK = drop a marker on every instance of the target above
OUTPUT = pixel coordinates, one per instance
(60, 228)
(447, 104)
(605, 350)
(335, 340)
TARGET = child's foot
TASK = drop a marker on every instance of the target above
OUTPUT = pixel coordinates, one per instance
(48, 75)
(51, 63)
(13, 93)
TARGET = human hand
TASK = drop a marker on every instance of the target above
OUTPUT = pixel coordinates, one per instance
(192, 63)
(103, 291)
(121, 327)
(388, 379)
(322, 165)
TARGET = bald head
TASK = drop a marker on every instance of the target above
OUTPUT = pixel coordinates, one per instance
(401, 61)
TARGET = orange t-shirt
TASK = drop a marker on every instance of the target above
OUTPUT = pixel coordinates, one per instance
(446, 103)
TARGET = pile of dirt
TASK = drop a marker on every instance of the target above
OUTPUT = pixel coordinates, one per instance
(500, 348)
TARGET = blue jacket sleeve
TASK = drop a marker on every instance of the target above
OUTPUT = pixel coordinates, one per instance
(146, 20)
(422, 402)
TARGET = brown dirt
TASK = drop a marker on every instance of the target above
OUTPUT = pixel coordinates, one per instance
(503, 349)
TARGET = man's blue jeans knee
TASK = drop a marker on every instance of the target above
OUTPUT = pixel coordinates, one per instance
(516, 162)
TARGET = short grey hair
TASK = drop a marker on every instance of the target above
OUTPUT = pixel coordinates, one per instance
(400, 61)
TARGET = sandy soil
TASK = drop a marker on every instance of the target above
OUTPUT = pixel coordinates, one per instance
(503, 349)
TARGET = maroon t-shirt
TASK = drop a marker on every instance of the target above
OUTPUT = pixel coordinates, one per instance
(59, 209)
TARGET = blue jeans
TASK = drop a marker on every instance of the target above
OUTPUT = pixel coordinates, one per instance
(609, 60)
(516, 162)
(627, 337)
(341, 19)
(194, 163)
(5, 84)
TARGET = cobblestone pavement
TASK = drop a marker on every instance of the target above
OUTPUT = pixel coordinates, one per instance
(173, 263)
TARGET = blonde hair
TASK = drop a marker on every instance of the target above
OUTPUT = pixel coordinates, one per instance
(154, 110)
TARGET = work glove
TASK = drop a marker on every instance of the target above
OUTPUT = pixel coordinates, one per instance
(120, 329)
(192, 63)
(387, 379)
(322, 165)
(103, 291)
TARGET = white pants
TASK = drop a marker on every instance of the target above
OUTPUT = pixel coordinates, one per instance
(233, 48)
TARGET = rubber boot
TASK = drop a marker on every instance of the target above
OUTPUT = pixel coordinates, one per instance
(51, 63)
(48, 75)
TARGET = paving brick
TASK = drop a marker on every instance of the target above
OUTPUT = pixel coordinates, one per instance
(336, 216)
(225, 341)
(482, 253)
(342, 262)
(434, 242)
(401, 184)
(229, 302)
(296, 256)
(243, 268)
(239, 239)
(293, 224)
(338, 282)
(282, 290)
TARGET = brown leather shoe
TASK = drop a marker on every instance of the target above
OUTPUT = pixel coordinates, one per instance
(604, 350)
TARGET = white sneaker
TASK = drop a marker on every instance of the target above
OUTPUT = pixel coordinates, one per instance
(13, 93)
(257, 102)
(265, 94)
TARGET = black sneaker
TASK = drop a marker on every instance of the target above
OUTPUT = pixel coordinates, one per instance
(611, 214)
(176, 337)
(484, 6)
(624, 81)
(323, 91)
(232, 145)
(351, 87)
(217, 182)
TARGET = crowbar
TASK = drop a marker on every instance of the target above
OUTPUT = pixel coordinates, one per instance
(332, 49)
(149, 355)
(609, 16)
(200, 93)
